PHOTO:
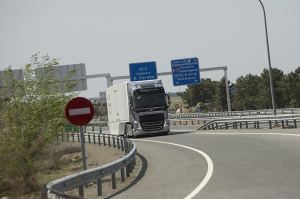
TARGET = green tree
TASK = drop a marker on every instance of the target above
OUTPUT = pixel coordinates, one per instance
(279, 88)
(247, 92)
(292, 89)
(221, 96)
(205, 92)
(31, 117)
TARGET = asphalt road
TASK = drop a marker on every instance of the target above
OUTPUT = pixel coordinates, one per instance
(246, 164)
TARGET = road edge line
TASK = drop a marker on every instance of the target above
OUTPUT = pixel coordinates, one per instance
(210, 165)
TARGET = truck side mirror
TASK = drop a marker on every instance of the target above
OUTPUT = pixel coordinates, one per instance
(168, 100)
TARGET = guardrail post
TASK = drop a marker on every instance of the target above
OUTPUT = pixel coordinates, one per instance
(258, 124)
(254, 124)
(100, 129)
(113, 181)
(287, 123)
(118, 143)
(89, 138)
(122, 175)
(99, 140)
(270, 124)
(217, 126)
(114, 142)
(78, 139)
(240, 125)
(94, 138)
(122, 145)
(99, 187)
(226, 125)
(126, 147)
(127, 171)
(246, 124)
(295, 123)
(93, 128)
(108, 137)
(104, 143)
(81, 191)
(73, 137)
(282, 124)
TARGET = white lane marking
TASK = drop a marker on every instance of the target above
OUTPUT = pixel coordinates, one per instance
(79, 111)
(210, 166)
(287, 134)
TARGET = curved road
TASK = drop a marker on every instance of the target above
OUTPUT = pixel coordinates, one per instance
(247, 164)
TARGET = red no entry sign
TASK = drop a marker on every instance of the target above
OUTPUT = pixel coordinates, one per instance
(79, 111)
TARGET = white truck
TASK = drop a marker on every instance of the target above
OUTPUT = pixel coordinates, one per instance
(138, 108)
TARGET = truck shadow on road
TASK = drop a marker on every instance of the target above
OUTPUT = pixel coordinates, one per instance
(137, 179)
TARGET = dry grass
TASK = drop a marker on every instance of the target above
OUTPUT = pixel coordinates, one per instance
(65, 159)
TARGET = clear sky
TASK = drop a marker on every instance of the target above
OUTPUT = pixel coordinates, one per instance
(107, 35)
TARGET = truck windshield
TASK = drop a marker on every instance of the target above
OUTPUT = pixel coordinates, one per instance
(150, 98)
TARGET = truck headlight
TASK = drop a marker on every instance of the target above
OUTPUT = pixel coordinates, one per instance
(167, 123)
(136, 125)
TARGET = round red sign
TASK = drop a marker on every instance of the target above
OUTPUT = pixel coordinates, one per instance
(79, 111)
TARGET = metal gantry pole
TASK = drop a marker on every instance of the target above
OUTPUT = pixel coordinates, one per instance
(227, 90)
(269, 59)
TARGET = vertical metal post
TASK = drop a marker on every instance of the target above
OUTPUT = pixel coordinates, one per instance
(269, 59)
(227, 90)
(99, 187)
(113, 181)
(81, 191)
(122, 175)
(82, 148)
(109, 81)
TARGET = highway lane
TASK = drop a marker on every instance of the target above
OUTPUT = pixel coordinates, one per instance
(172, 172)
(247, 165)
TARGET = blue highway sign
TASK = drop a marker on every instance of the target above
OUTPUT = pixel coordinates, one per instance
(185, 71)
(143, 71)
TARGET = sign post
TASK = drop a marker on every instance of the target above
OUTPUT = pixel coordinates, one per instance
(80, 111)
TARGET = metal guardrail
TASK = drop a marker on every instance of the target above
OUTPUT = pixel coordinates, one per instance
(283, 121)
(235, 113)
(57, 188)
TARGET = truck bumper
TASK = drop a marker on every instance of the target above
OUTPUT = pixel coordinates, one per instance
(165, 130)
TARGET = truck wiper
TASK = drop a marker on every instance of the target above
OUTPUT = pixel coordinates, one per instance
(157, 107)
(151, 108)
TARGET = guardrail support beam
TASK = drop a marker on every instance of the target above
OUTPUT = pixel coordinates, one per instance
(99, 187)
(113, 181)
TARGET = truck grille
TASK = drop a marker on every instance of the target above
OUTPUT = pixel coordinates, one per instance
(152, 122)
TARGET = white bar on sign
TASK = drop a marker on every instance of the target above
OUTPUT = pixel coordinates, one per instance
(79, 111)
